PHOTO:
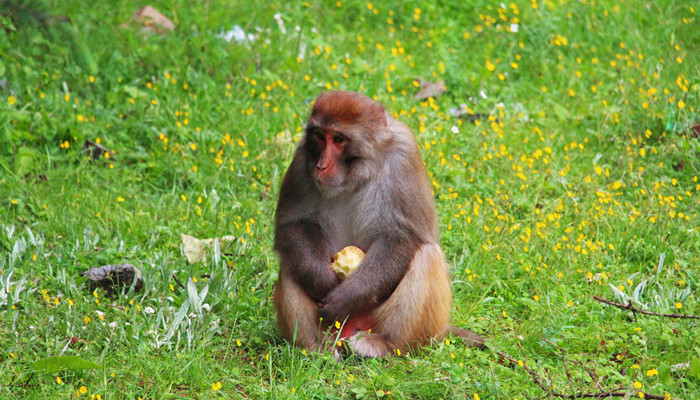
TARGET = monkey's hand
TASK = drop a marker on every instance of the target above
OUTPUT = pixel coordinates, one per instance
(334, 307)
(375, 279)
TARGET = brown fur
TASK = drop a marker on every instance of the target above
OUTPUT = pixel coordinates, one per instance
(379, 200)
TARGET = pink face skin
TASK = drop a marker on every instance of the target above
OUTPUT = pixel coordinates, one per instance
(332, 146)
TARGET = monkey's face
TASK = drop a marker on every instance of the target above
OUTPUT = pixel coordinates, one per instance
(342, 143)
(330, 159)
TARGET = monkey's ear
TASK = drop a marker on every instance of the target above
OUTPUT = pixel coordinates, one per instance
(379, 114)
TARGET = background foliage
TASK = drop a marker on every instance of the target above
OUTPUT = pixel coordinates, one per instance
(582, 181)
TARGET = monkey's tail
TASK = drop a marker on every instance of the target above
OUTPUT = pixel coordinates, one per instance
(472, 339)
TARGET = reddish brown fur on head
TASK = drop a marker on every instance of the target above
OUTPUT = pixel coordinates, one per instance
(344, 128)
(346, 108)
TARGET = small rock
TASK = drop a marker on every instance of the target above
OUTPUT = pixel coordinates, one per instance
(111, 277)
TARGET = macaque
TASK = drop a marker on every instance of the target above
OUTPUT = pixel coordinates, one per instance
(357, 178)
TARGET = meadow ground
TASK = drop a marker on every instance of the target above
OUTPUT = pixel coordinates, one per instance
(581, 181)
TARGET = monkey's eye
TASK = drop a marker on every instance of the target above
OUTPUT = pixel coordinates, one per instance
(317, 134)
(338, 139)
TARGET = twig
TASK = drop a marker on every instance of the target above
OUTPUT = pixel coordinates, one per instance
(522, 351)
(178, 282)
(581, 395)
(637, 310)
(563, 360)
(551, 382)
(592, 375)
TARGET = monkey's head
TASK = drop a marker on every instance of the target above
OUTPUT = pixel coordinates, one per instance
(344, 141)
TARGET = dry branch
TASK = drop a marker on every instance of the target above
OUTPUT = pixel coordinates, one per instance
(635, 310)
(618, 392)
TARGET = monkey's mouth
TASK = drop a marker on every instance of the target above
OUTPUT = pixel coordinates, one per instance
(327, 181)
(328, 187)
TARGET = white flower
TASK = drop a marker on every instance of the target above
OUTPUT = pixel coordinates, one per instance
(206, 307)
(113, 325)
(280, 23)
(149, 310)
(455, 129)
(514, 28)
(237, 34)
(483, 93)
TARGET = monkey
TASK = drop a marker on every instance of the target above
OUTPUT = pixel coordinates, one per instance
(357, 178)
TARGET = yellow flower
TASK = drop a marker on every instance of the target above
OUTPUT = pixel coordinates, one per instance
(490, 66)
(679, 305)
(11, 100)
(637, 385)
(681, 104)
(59, 380)
(652, 372)
(83, 389)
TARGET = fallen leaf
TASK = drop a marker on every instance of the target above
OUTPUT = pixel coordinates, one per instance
(428, 89)
(196, 249)
(153, 20)
(76, 340)
(696, 131)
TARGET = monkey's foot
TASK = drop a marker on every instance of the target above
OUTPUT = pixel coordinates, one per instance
(369, 345)
(472, 339)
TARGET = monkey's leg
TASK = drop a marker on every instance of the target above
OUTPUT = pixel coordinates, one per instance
(418, 310)
(296, 311)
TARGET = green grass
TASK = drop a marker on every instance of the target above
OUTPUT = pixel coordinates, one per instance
(585, 177)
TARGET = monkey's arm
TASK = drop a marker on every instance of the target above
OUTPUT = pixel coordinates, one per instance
(382, 269)
(303, 250)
